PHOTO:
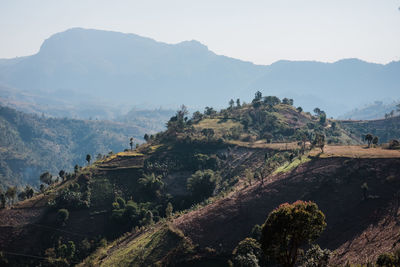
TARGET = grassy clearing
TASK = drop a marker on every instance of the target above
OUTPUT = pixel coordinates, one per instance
(147, 249)
(288, 166)
(218, 125)
(355, 152)
(264, 144)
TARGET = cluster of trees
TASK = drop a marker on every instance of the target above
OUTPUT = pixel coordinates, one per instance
(279, 240)
(270, 101)
(9, 196)
(391, 113)
(130, 214)
(371, 139)
(69, 253)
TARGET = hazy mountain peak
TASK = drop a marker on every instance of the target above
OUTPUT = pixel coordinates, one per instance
(194, 44)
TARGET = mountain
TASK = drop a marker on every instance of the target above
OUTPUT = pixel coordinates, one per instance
(376, 110)
(31, 145)
(124, 70)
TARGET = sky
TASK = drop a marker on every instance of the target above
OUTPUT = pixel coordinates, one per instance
(260, 31)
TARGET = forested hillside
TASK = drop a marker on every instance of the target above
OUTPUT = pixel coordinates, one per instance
(31, 144)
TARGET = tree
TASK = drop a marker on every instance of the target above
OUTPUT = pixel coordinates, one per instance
(231, 103)
(148, 218)
(21, 196)
(88, 159)
(271, 100)
(178, 122)
(131, 142)
(289, 227)
(375, 140)
(317, 111)
(62, 216)
(319, 141)
(146, 137)
(316, 257)
(29, 191)
(369, 137)
(322, 118)
(168, 210)
(76, 168)
(257, 99)
(247, 253)
(238, 103)
(257, 96)
(208, 132)
(152, 184)
(2, 199)
(299, 109)
(61, 173)
(202, 184)
(286, 101)
(249, 176)
(197, 116)
(46, 178)
(11, 194)
(209, 111)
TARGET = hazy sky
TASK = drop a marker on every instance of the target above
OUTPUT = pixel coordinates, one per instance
(259, 31)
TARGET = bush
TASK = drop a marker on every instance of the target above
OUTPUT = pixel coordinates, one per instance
(247, 253)
(386, 260)
(316, 257)
(394, 144)
(62, 216)
(69, 199)
(121, 202)
(202, 184)
(256, 232)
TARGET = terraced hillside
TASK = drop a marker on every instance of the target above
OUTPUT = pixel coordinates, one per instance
(192, 192)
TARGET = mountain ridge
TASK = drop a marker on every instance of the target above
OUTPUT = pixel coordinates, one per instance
(126, 69)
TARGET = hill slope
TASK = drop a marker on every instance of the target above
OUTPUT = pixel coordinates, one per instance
(92, 66)
(31, 145)
(221, 173)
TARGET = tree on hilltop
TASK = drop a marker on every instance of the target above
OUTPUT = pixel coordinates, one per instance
(11, 194)
(88, 158)
(46, 178)
(238, 103)
(231, 104)
(131, 142)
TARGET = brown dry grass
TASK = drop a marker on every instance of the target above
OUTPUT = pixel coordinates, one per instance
(355, 152)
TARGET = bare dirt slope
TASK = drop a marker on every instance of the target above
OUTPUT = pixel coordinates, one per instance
(333, 183)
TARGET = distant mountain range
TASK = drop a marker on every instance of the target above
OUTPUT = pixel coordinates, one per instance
(94, 67)
(376, 110)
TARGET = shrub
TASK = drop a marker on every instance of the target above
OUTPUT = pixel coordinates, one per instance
(256, 232)
(316, 257)
(386, 260)
(69, 199)
(121, 202)
(62, 216)
(202, 184)
(247, 253)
